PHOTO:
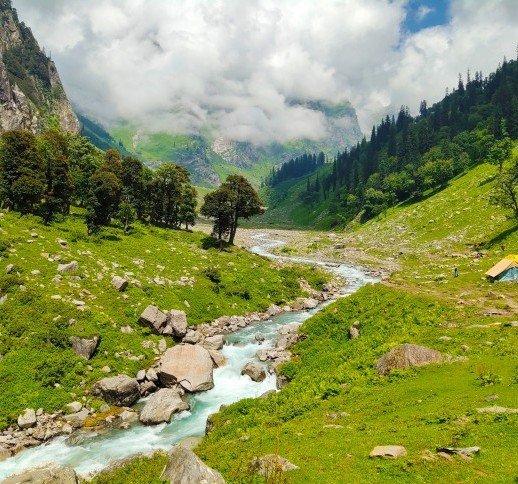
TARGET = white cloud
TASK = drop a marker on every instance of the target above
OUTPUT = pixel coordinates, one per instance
(423, 11)
(235, 67)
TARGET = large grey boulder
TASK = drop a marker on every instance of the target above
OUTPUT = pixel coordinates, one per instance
(406, 355)
(185, 467)
(161, 406)
(190, 366)
(119, 283)
(177, 320)
(154, 318)
(44, 474)
(255, 371)
(68, 268)
(304, 303)
(118, 390)
(271, 465)
(84, 347)
(27, 419)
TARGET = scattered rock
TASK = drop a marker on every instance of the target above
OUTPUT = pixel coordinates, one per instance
(5, 453)
(190, 366)
(141, 375)
(304, 303)
(119, 283)
(119, 390)
(185, 467)
(178, 322)
(9, 268)
(403, 356)
(259, 337)
(465, 452)
(77, 419)
(44, 474)
(271, 465)
(153, 317)
(74, 406)
(147, 387)
(255, 371)
(192, 337)
(68, 268)
(84, 347)
(388, 452)
(151, 375)
(213, 342)
(354, 333)
(273, 310)
(27, 419)
(496, 409)
(218, 358)
(161, 406)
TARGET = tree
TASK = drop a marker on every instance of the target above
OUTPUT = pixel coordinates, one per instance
(233, 200)
(187, 212)
(58, 183)
(505, 193)
(167, 190)
(22, 170)
(104, 197)
(500, 149)
(217, 205)
(133, 183)
(245, 201)
(113, 163)
(126, 214)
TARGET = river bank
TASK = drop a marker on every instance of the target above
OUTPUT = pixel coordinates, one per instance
(89, 452)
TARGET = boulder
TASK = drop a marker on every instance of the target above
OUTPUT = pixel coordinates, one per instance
(77, 419)
(119, 283)
(74, 406)
(185, 467)
(147, 387)
(9, 268)
(161, 406)
(271, 465)
(213, 342)
(27, 419)
(154, 318)
(84, 347)
(403, 356)
(255, 371)
(387, 452)
(273, 310)
(44, 474)
(354, 333)
(218, 358)
(177, 320)
(259, 337)
(151, 375)
(304, 303)
(192, 337)
(190, 366)
(5, 453)
(68, 268)
(118, 390)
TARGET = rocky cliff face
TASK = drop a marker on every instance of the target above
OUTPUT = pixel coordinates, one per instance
(31, 93)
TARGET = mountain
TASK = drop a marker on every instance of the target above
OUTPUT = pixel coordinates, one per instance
(406, 158)
(31, 92)
(210, 159)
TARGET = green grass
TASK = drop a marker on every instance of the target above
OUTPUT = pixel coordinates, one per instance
(421, 409)
(38, 368)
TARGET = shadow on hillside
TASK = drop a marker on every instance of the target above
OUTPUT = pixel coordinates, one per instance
(423, 197)
(213, 243)
(498, 239)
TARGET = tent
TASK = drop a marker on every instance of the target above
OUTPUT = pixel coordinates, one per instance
(505, 270)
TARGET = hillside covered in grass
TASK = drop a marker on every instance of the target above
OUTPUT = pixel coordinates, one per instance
(41, 309)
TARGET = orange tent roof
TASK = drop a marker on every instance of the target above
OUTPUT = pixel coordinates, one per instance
(506, 263)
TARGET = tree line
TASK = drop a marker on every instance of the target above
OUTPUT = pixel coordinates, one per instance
(295, 168)
(405, 156)
(48, 173)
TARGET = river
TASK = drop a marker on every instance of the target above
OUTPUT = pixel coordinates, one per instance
(96, 451)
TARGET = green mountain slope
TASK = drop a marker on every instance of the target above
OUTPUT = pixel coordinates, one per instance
(39, 312)
(209, 160)
(337, 408)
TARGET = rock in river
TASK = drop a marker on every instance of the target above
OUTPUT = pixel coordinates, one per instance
(44, 474)
(187, 365)
(255, 371)
(161, 406)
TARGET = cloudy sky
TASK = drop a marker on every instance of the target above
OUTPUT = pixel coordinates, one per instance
(234, 67)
